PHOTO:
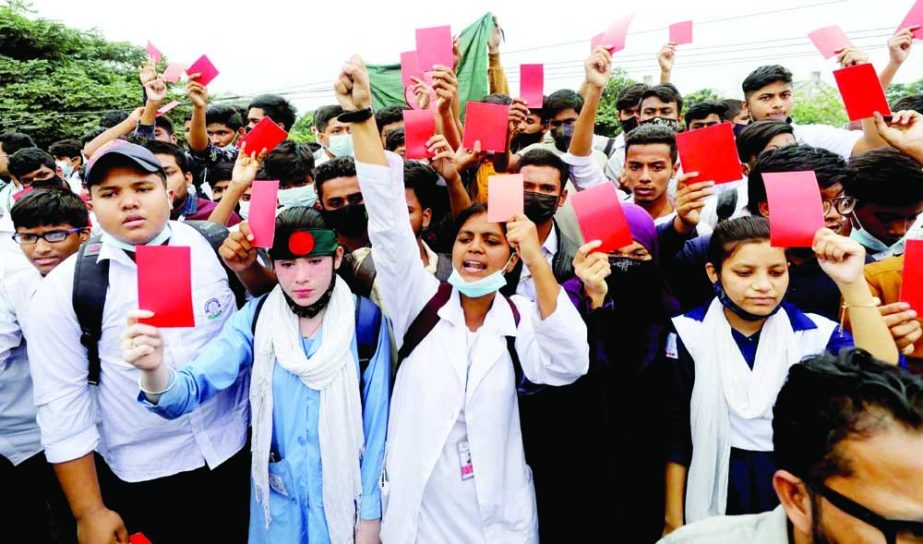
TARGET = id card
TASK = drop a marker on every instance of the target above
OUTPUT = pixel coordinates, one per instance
(464, 458)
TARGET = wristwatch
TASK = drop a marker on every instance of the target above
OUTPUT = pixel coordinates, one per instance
(355, 116)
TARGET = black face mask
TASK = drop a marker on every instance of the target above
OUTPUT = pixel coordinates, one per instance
(350, 220)
(313, 309)
(562, 136)
(662, 121)
(50, 183)
(738, 128)
(629, 124)
(539, 207)
(524, 140)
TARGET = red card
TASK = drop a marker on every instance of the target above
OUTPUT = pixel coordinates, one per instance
(912, 282)
(796, 211)
(139, 538)
(434, 46)
(681, 33)
(504, 197)
(419, 127)
(266, 134)
(410, 67)
(487, 123)
(600, 216)
(152, 52)
(861, 91)
(206, 70)
(167, 107)
(710, 151)
(262, 216)
(165, 285)
(532, 84)
(914, 18)
(173, 72)
(614, 36)
(829, 40)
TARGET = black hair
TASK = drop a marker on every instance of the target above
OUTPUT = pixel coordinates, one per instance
(224, 114)
(734, 107)
(165, 148)
(165, 123)
(652, 134)
(324, 114)
(276, 108)
(544, 157)
(729, 235)
(630, 96)
(223, 171)
(756, 136)
(913, 102)
(497, 98)
(300, 217)
(703, 109)
(28, 160)
(395, 139)
(340, 167)
(388, 116)
(91, 135)
(290, 163)
(69, 148)
(666, 93)
(112, 118)
(14, 141)
(763, 76)
(466, 214)
(421, 178)
(57, 206)
(559, 101)
(829, 399)
(828, 167)
(883, 176)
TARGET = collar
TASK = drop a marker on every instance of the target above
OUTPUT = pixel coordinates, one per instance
(190, 206)
(499, 317)
(550, 247)
(431, 258)
(800, 321)
(110, 245)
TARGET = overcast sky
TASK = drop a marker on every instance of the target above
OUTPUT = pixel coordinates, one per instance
(296, 48)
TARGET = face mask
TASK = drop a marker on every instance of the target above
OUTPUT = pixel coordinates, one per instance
(341, 145)
(874, 244)
(350, 220)
(637, 286)
(50, 183)
(525, 140)
(562, 136)
(629, 124)
(244, 209)
(672, 124)
(65, 167)
(298, 196)
(481, 287)
(111, 240)
(313, 309)
(540, 207)
(738, 128)
(726, 301)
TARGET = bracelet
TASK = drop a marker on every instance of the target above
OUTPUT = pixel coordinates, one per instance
(157, 394)
(848, 306)
(355, 116)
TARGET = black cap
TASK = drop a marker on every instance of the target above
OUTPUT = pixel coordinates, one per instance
(120, 153)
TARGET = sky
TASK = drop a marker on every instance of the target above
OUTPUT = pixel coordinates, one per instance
(296, 48)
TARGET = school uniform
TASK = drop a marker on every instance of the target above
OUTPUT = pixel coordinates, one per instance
(726, 387)
(454, 464)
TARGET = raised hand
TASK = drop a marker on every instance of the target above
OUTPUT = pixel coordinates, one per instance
(156, 89)
(466, 158)
(196, 92)
(899, 45)
(689, 201)
(598, 67)
(443, 160)
(496, 36)
(147, 71)
(352, 86)
(246, 166)
(901, 320)
(852, 57)
(445, 85)
(841, 258)
(593, 269)
(904, 133)
(236, 251)
(519, 111)
(666, 56)
(521, 234)
(142, 345)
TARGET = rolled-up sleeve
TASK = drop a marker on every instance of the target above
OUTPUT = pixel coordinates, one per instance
(553, 351)
(584, 171)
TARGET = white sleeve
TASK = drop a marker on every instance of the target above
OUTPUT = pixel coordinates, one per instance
(10, 331)
(584, 171)
(553, 351)
(600, 143)
(838, 140)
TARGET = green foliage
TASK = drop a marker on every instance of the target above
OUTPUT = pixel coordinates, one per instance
(697, 97)
(607, 119)
(899, 90)
(301, 130)
(824, 108)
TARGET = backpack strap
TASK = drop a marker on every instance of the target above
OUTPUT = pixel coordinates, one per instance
(216, 234)
(443, 267)
(423, 323)
(727, 203)
(91, 281)
(365, 276)
(609, 144)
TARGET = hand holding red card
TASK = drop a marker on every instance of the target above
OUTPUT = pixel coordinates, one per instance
(173, 72)
(532, 84)
(410, 67)
(206, 70)
(912, 278)
(419, 127)
(861, 91)
(266, 134)
(710, 151)
(434, 46)
(600, 216)
(681, 33)
(829, 40)
(914, 18)
(165, 285)
(262, 216)
(505, 197)
(796, 211)
(487, 123)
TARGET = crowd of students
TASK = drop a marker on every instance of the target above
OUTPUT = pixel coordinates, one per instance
(399, 368)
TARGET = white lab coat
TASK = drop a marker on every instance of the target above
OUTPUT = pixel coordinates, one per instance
(430, 388)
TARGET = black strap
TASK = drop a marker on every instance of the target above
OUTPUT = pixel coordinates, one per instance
(91, 281)
(609, 145)
(727, 203)
(443, 267)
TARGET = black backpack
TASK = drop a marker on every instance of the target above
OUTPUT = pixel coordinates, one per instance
(361, 276)
(91, 281)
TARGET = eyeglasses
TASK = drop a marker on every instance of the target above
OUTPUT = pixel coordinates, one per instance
(894, 530)
(52, 237)
(844, 205)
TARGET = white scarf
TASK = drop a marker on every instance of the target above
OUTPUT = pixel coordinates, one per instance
(724, 383)
(332, 371)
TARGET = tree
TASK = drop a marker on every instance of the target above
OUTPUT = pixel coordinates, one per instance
(56, 82)
(825, 107)
(301, 131)
(697, 97)
(899, 90)
(607, 118)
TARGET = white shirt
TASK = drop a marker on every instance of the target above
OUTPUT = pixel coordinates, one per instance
(526, 285)
(709, 215)
(766, 528)
(12, 259)
(19, 435)
(136, 444)
(430, 391)
(616, 162)
(838, 140)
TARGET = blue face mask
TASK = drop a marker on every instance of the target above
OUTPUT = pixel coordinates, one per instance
(726, 301)
(875, 245)
(111, 240)
(481, 287)
(298, 196)
(341, 145)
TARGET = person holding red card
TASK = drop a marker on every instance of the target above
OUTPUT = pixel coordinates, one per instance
(731, 358)
(455, 470)
(319, 358)
(146, 468)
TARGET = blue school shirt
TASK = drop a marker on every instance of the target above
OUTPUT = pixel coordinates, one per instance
(296, 497)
